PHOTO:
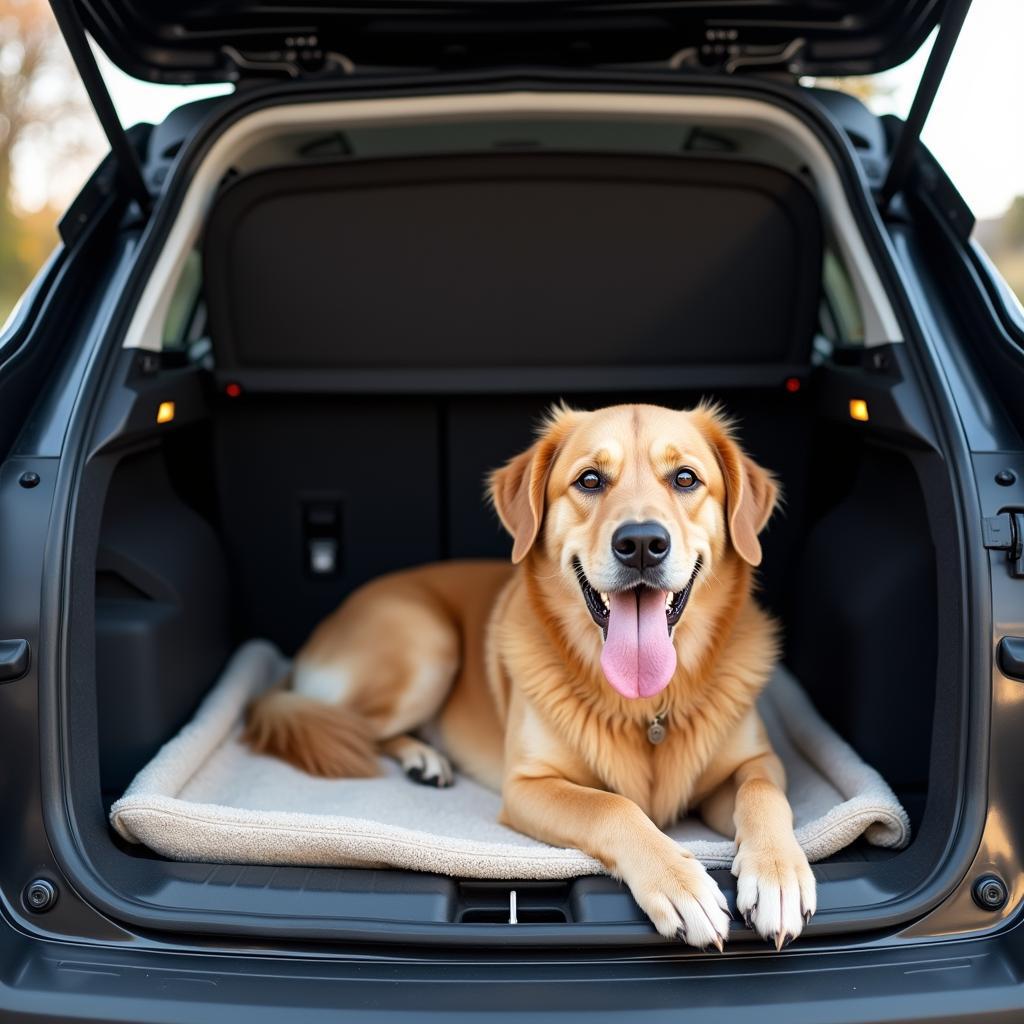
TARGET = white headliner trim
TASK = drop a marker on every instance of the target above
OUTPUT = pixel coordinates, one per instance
(145, 329)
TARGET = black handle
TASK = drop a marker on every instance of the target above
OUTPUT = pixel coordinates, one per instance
(1011, 657)
(13, 659)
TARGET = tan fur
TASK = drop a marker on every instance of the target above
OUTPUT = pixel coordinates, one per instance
(503, 665)
(327, 740)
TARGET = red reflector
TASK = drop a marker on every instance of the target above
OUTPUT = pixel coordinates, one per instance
(232, 390)
(792, 385)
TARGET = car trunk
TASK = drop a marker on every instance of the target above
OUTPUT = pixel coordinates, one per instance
(362, 323)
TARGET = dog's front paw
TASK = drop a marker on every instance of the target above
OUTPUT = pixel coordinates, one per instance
(775, 891)
(682, 899)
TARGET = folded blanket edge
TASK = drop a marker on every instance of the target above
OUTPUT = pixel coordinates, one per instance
(873, 812)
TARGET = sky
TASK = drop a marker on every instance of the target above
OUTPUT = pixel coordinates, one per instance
(976, 128)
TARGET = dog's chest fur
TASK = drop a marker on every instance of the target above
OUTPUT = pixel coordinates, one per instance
(602, 738)
(661, 779)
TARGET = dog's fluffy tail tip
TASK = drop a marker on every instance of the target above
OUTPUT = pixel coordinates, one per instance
(322, 739)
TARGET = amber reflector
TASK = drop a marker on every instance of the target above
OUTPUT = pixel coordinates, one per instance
(859, 410)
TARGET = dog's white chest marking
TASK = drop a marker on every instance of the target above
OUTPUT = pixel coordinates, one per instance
(328, 683)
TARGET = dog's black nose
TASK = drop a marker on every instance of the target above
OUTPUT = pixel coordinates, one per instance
(640, 545)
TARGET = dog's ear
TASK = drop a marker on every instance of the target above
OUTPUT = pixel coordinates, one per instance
(751, 491)
(517, 490)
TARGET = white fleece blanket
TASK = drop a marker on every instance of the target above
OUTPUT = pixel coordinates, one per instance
(206, 797)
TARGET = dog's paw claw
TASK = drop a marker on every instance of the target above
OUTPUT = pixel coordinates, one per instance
(682, 900)
(775, 892)
(748, 914)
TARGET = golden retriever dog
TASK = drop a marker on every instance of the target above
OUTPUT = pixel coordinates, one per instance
(604, 682)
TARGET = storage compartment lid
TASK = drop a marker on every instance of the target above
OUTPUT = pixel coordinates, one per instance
(196, 41)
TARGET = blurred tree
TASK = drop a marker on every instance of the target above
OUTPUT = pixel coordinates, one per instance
(1012, 225)
(865, 87)
(43, 111)
(1006, 246)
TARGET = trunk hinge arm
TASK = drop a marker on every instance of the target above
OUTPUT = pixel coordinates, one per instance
(128, 167)
(938, 60)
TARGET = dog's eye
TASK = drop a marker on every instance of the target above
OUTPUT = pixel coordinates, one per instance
(686, 480)
(590, 480)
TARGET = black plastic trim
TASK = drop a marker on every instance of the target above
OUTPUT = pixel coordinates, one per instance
(29, 305)
(965, 981)
(510, 379)
(194, 42)
(14, 659)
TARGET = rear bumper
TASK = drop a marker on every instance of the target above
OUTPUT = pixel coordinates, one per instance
(953, 981)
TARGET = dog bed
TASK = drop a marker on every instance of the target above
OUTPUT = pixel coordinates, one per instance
(206, 797)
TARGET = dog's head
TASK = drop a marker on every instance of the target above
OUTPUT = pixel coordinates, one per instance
(623, 513)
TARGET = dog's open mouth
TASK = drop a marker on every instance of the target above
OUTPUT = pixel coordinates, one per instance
(638, 657)
(599, 604)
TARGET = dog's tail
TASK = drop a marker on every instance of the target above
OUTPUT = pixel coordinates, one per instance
(323, 739)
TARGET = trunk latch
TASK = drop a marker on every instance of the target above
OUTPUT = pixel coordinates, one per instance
(1005, 532)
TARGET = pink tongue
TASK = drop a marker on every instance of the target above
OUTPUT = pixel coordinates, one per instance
(638, 657)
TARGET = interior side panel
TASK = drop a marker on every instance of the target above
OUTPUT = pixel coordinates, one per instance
(865, 617)
(283, 464)
(161, 615)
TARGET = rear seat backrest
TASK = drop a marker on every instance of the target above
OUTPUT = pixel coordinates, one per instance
(416, 296)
